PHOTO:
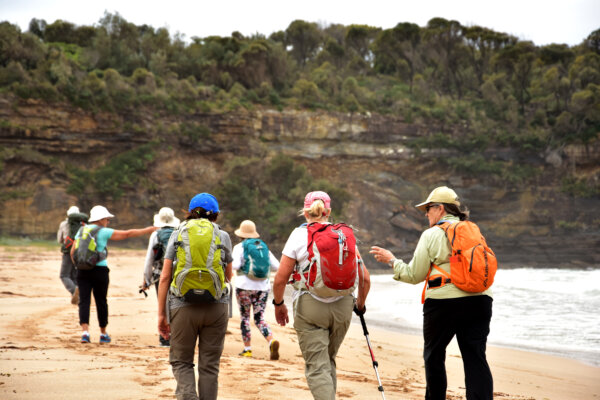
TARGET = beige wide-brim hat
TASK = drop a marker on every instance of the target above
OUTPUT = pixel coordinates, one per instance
(99, 212)
(442, 194)
(247, 230)
(166, 217)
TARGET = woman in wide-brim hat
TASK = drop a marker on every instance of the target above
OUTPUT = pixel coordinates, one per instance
(95, 281)
(252, 292)
(167, 222)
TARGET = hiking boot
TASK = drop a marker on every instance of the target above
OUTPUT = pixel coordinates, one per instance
(104, 338)
(163, 342)
(75, 296)
(246, 353)
(85, 338)
(274, 349)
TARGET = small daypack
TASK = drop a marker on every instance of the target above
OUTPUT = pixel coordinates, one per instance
(158, 250)
(473, 264)
(74, 222)
(332, 269)
(198, 275)
(256, 259)
(86, 254)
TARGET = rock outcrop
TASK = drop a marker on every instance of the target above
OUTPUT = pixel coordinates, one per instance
(368, 154)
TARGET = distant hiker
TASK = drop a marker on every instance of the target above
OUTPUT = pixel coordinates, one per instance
(65, 236)
(193, 298)
(166, 221)
(89, 254)
(449, 311)
(326, 268)
(253, 262)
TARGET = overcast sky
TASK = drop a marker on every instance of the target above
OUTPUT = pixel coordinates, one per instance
(541, 21)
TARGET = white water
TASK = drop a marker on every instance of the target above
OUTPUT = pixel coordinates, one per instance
(553, 311)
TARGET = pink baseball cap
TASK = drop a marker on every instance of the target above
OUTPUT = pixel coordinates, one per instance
(318, 195)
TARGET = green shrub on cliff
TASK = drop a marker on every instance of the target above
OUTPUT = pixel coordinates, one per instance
(271, 192)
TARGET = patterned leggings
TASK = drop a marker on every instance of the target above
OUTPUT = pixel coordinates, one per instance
(257, 299)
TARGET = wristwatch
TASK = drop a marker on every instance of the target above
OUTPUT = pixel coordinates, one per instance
(277, 304)
(392, 261)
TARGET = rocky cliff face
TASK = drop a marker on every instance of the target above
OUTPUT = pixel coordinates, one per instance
(532, 225)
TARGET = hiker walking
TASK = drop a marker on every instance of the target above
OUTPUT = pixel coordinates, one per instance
(253, 261)
(193, 300)
(93, 279)
(322, 314)
(166, 221)
(447, 311)
(66, 233)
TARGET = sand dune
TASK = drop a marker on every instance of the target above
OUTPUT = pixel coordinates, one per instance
(41, 357)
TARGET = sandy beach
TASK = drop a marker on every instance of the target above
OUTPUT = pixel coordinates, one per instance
(41, 356)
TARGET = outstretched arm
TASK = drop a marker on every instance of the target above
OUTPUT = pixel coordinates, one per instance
(130, 233)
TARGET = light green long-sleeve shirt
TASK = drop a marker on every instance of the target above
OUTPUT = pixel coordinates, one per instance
(433, 247)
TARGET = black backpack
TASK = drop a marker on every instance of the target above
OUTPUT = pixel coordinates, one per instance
(74, 222)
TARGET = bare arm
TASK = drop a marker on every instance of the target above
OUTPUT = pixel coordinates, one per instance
(286, 267)
(364, 285)
(163, 287)
(130, 233)
(229, 272)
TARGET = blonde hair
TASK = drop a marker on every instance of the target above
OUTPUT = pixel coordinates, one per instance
(316, 211)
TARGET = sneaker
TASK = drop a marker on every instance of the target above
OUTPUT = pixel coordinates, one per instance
(163, 342)
(85, 338)
(246, 353)
(75, 296)
(274, 349)
(104, 338)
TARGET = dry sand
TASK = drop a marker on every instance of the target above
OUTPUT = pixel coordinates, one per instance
(41, 357)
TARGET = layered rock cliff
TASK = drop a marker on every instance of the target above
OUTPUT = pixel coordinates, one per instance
(369, 155)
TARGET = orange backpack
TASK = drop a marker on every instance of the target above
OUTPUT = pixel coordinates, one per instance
(473, 264)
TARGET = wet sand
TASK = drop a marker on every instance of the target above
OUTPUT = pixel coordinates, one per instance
(41, 356)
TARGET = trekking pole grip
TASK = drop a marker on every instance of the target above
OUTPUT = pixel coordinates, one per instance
(362, 318)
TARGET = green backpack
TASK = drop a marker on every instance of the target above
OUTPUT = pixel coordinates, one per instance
(198, 275)
(74, 222)
(86, 255)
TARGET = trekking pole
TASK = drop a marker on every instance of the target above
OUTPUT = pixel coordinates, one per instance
(366, 332)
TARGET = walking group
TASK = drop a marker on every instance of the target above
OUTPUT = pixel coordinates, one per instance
(191, 263)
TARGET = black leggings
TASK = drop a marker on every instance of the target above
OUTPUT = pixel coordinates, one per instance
(93, 281)
(469, 319)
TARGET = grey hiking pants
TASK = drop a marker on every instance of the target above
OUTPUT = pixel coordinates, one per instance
(68, 273)
(205, 324)
(321, 328)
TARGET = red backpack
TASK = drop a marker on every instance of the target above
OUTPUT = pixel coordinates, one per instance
(333, 265)
(473, 264)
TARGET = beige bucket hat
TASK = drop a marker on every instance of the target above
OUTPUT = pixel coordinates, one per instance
(442, 194)
(166, 217)
(246, 230)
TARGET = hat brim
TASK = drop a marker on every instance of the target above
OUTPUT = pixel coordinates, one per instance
(245, 235)
(423, 206)
(161, 224)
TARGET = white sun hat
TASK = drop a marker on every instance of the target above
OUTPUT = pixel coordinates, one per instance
(166, 217)
(72, 210)
(99, 212)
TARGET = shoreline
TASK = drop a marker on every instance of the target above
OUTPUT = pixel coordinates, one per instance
(40, 353)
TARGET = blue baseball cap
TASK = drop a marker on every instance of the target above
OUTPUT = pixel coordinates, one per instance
(206, 201)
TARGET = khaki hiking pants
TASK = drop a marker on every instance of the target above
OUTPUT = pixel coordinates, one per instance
(204, 324)
(321, 328)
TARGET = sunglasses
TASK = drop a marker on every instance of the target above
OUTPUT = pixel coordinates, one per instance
(427, 207)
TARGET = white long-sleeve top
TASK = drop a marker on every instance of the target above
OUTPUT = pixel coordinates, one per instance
(242, 281)
(153, 241)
